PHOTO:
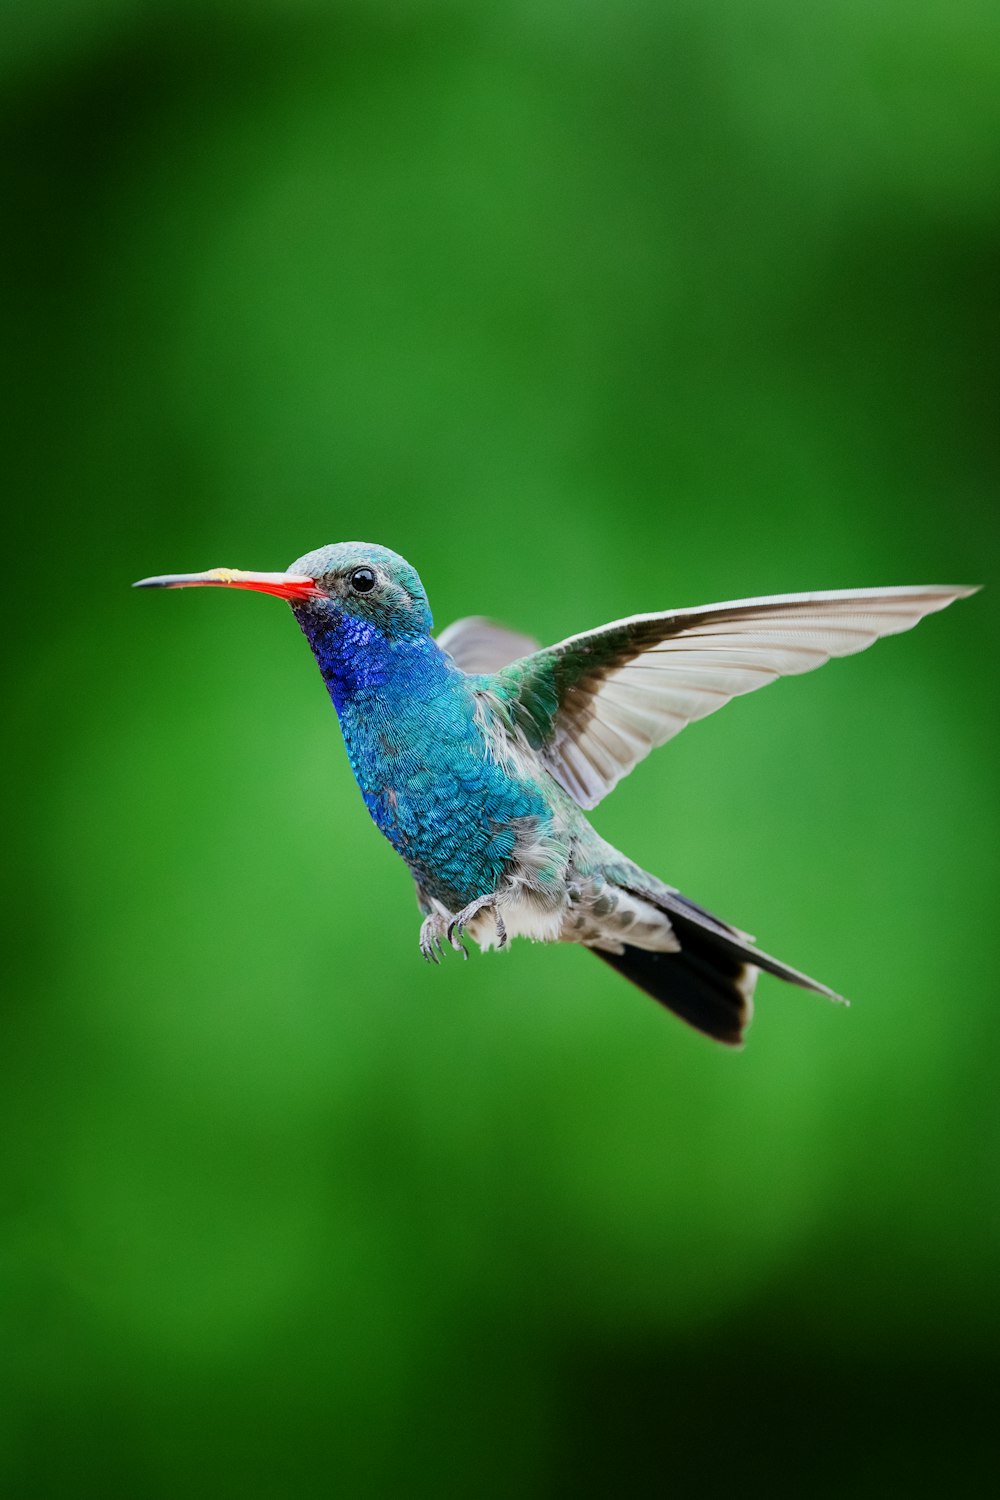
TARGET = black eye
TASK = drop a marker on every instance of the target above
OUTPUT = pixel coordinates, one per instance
(362, 580)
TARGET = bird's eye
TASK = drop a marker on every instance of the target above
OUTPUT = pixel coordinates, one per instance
(362, 580)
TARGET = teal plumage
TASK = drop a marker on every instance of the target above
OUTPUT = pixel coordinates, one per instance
(408, 717)
(477, 754)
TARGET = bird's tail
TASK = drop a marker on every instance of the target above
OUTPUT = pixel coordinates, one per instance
(709, 982)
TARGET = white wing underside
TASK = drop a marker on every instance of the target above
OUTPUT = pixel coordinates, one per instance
(612, 717)
(476, 644)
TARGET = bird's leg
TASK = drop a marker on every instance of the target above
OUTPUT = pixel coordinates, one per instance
(458, 924)
(432, 935)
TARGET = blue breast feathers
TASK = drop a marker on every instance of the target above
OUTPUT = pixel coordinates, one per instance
(421, 760)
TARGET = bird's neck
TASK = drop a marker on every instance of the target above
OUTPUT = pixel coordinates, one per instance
(359, 664)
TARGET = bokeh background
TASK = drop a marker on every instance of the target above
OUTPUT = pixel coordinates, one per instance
(586, 309)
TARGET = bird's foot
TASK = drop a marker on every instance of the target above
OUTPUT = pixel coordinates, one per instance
(458, 924)
(433, 931)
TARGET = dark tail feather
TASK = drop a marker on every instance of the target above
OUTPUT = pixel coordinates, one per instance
(710, 982)
(708, 989)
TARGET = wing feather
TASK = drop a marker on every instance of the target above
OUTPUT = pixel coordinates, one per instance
(597, 703)
(476, 644)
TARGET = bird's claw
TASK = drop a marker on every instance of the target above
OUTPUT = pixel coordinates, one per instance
(458, 924)
(437, 932)
(432, 935)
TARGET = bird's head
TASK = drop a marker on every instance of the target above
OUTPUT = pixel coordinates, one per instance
(357, 579)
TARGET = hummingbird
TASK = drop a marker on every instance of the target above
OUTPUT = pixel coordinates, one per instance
(478, 755)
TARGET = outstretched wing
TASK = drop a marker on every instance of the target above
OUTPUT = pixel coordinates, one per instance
(476, 644)
(596, 704)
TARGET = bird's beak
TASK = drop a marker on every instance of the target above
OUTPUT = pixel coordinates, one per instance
(290, 586)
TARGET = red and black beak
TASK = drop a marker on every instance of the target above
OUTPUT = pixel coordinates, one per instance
(291, 586)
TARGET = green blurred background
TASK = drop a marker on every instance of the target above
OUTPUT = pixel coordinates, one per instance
(586, 309)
